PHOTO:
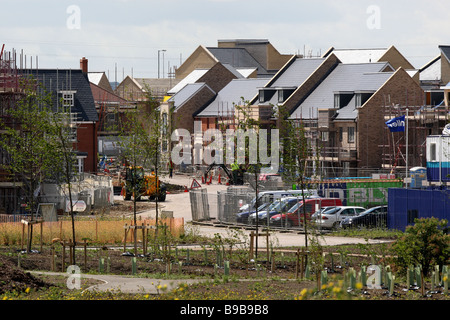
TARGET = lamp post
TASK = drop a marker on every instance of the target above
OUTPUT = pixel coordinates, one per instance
(163, 50)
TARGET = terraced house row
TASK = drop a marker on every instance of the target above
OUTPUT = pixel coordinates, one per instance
(342, 97)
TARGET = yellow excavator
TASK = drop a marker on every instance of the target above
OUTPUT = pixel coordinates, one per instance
(144, 185)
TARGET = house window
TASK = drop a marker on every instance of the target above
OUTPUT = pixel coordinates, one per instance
(433, 152)
(68, 98)
(351, 134)
(325, 135)
(337, 101)
(73, 133)
(341, 134)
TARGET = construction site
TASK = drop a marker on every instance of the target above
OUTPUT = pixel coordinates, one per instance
(95, 192)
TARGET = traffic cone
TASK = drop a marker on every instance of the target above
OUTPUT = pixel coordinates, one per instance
(186, 189)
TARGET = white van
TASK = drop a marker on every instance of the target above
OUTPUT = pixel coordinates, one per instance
(271, 196)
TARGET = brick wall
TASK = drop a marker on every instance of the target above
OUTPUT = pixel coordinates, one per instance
(199, 59)
(445, 69)
(401, 89)
(217, 77)
(183, 117)
(87, 142)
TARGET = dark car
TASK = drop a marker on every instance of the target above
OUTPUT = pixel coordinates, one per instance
(276, 207)
(242, 217)
(375, 217)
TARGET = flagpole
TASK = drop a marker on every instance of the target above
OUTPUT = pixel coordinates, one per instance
(406, 146)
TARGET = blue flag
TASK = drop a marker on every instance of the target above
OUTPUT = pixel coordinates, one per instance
(396, 124)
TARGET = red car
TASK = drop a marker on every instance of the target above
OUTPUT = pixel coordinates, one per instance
(296, 213)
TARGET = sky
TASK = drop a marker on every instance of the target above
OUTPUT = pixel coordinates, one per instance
(126, 37)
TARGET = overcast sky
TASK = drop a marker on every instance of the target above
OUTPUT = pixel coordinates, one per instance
(129, 33)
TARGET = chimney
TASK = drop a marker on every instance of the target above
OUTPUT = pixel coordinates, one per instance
(84, 65)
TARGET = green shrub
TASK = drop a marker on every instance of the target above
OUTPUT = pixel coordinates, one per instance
(425, 243)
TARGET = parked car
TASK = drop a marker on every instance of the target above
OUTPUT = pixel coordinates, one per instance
(271, 196)
(278, 206)
(371, 218)
(295, 215)
(331, 217)
(242, 217)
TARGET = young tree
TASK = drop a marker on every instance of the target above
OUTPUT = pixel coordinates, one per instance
(296, 152)
(64, 158)
(27, 139)
(425, 243)
(140, 140)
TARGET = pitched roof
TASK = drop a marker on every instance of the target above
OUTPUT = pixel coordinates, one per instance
(446, 51)
(239, 58)
(188, 91)
(55, 80)
(236, 92)
(345, 78)
(431, 72)
(293, 75)
(358, 55)
(190, 78)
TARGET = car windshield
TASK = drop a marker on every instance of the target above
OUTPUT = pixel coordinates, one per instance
(330, 210)
(275, 205)
(295, 207)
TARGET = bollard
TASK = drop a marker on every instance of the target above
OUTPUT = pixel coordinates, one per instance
(363, 278)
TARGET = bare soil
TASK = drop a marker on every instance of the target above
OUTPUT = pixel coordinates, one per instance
(17, 279)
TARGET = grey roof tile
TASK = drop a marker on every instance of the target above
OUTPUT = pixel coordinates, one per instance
(233, 93)
(345, 78)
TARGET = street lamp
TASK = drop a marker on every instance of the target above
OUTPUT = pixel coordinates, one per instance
(163, 50)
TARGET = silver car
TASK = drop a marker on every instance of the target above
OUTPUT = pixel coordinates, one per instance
(331, 217)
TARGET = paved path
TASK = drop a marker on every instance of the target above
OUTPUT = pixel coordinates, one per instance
(127, 284)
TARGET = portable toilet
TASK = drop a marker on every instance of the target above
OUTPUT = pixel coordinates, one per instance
(417, 175)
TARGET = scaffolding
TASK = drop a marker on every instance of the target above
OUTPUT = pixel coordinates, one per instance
(10, 93)
(422, 121)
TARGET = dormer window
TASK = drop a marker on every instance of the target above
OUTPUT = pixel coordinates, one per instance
(342, 99)
(361, 97)
(68, 98)
(265, 94)
(284, 94)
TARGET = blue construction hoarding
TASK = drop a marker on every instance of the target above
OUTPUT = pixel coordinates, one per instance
(405, 205)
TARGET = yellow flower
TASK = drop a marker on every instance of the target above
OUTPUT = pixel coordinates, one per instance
(303, 292)
(324, 286)
(336, 289)
(359, 286)
(445, 278)
(27, 290)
